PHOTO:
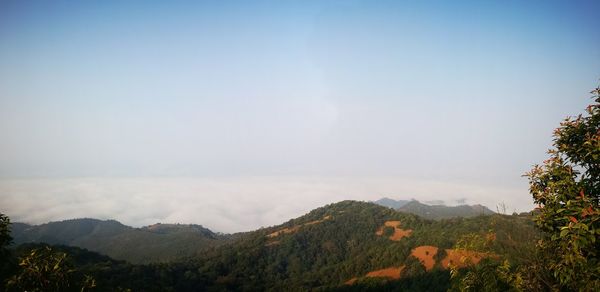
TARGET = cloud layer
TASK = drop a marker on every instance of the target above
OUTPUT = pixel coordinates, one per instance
(224, 204)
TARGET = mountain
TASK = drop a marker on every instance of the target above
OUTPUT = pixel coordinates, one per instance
(155, 243)
(391, 203)
(346, 245)
(353, 242)
(169, 242)
(434, 212)
(437, 212)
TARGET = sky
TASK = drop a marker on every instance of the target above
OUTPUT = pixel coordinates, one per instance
(241, 114)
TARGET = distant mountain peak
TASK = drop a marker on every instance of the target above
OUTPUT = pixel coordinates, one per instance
(437, 211)
(391, 203)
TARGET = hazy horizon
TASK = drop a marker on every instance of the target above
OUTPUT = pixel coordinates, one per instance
(151, 112)
(224, 204)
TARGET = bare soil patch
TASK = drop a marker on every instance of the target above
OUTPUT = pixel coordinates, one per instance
(317, 221)
(458, 258)
(284, 231)
(425, 254)
(398, 232)
(295, 228)
(392, 273)
(392, 223)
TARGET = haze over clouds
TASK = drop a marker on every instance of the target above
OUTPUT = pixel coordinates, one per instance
(222, 204)
(236, 115)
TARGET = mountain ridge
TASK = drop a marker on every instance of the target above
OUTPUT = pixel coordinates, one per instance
(120, 241)
(166, 242)
(344, 245)
(434, 212)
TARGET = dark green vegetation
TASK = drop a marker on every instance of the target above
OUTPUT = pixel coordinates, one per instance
(434, 212)
(172, 242)
(338, 244)
(42, 268)
(155, 243)
(6, 262)
(329, 253)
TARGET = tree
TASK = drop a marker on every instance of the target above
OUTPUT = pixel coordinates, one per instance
(6, 260)
(44, 269)
(566, 188)
(5, 238)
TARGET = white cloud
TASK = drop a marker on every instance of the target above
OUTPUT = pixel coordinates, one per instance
(223, 204)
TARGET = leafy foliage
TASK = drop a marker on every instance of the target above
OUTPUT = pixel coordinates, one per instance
(489, 275)
(5, 254)
(567, 188)
(43, 269)
(5, 238)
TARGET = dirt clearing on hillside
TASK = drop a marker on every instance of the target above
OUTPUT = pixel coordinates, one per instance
(293, 229)
(393, 273)
(425, 254)
(458, 258)
(398, 232)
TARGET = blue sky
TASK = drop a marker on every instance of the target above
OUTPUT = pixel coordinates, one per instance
(462, 92)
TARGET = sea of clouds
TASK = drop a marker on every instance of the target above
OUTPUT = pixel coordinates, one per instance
(227, 205)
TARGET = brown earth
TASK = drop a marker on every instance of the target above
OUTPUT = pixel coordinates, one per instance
(398, 232)
(284, 231)
(425, 254)
(390, 273)
(317, 221)
(295, 228)
(458, 258)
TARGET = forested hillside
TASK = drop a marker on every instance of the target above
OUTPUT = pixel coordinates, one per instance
(347, 245)
(155, 243)
(169, 242)
(350, 240)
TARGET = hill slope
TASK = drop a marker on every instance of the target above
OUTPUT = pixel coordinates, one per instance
(337, 243)
(347, 245)
(155, 243)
